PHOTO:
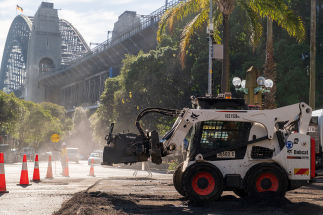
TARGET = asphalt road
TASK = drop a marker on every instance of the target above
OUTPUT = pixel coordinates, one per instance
(118, 191)
(48, 195)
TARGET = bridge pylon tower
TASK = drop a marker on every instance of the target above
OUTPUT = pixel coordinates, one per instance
(44, 52)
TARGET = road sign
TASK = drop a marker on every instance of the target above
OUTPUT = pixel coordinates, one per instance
(218, 51)
(54, 138)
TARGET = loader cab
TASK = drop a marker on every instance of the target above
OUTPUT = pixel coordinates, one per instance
(219, 140)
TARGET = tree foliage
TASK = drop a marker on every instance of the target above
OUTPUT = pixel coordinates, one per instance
(31, 123)
(12, 111)
(198, 13)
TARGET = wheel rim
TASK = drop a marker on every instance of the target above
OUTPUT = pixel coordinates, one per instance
(267, 182)
(203, 183)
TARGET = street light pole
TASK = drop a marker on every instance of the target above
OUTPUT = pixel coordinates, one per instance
(210, 51)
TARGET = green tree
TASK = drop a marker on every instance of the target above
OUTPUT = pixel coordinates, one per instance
(36, 126)
(276, 10)
(58, 113)
(30, 123)
(11, 112)
(106, 111)
(153, 79)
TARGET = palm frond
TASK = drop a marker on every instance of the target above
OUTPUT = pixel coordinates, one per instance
(217, 21)
(162, 24)
(277, 10)
(196, 23)
(254, 23)
(184, 9)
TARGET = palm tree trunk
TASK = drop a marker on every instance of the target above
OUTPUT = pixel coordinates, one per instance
(270, 67)
(225, 87)
(312, 54)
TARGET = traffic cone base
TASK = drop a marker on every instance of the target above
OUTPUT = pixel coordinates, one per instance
(24, 180)
(3, 188)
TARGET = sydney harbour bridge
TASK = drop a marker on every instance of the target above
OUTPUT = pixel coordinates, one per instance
(46, 59)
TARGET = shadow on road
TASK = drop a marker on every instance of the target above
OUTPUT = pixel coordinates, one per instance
(1, 194)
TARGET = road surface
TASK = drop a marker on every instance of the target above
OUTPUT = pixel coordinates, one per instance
(117, 191)
(48, 195)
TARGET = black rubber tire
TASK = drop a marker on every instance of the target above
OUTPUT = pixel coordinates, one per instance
(266, 181)
(240, 192)
(200, 175)
(177, 179)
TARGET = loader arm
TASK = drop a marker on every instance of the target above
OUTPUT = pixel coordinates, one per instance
(298, 114)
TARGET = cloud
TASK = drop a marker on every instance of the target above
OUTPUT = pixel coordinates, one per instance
(93, 25)
(121, 2)
(4, 28)
(69, 2)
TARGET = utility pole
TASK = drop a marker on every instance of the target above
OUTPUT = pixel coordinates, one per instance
(210, 51)
(312, 54)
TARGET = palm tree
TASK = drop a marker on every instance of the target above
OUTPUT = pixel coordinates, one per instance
(276, 10)
(312, 54)
(270, 67)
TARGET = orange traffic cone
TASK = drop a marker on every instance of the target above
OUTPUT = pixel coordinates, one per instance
(49, 168)
(36, 176)
(3, 188)
(65, 170)
(92, 169)
(24, 180)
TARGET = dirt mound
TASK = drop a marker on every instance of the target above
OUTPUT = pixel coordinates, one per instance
(103, 203)
(146, 196)
(84, 204)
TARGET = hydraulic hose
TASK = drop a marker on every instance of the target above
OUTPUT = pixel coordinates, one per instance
(163, 111)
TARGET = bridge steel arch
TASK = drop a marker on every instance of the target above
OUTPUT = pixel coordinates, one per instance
(73, 44)
(14, 59)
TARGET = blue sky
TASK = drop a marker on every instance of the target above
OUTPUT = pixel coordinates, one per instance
(92, 18)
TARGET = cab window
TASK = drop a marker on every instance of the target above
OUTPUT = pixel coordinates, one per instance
(219, 134)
